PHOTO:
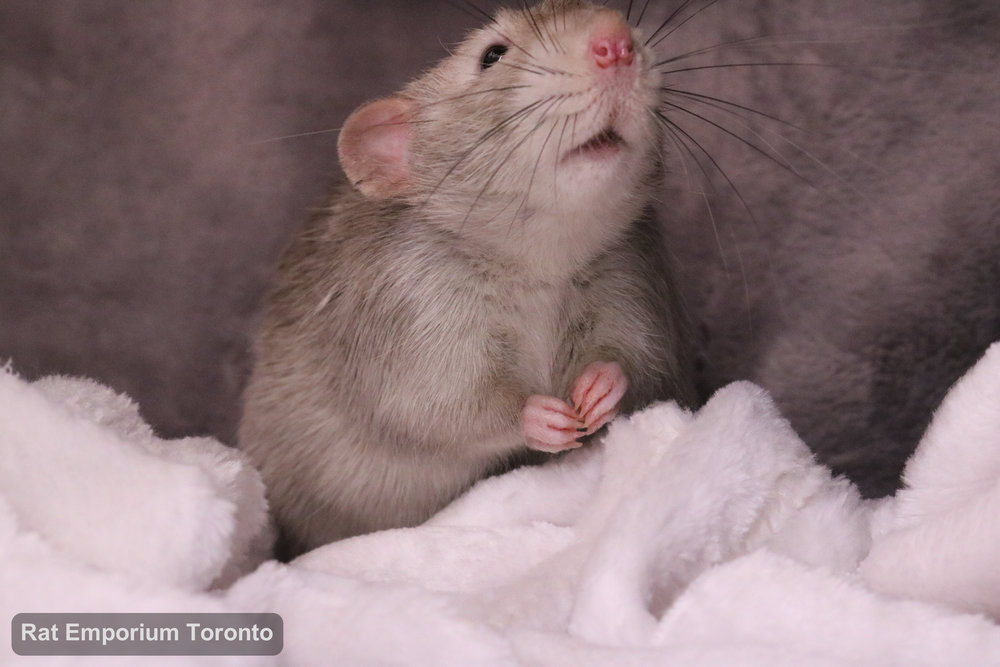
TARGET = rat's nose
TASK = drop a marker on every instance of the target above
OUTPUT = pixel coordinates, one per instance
(611, 41)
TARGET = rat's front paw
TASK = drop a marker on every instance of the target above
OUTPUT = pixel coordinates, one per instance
(596, 393)
(550, 424)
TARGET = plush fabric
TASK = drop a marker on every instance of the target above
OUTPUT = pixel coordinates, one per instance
(700, 538)
(147, 184)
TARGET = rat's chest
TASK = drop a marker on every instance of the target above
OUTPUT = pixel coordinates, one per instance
(533, 321)
(483, 320)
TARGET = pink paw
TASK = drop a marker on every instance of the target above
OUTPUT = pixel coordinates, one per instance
(550, 424)
(596, 393)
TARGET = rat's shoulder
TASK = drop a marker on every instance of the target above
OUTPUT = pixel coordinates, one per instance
(346, 229)
(382, 244)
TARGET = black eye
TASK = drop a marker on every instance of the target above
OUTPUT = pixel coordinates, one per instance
(492, 56)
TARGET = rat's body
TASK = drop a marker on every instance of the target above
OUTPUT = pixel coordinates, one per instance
(493, 284)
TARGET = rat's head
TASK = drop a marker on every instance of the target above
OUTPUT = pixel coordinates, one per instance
(544, 109)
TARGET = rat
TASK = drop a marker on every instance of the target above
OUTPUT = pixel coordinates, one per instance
(490, 286)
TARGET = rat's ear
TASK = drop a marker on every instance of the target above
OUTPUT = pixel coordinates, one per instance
(374, 147)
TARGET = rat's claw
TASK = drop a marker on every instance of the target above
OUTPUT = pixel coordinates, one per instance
(550, 424)
(596, 393)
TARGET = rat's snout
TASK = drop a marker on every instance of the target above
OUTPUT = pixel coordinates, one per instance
(611, 42)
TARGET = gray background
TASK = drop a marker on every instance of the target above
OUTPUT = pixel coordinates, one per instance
(145, 194)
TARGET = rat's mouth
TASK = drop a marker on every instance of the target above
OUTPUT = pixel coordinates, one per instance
(606, 141)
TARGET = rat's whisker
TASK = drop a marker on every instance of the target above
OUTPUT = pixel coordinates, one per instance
(642, 13)
(732, 108)
(736, 191)
(738, 65)
(776, 158)
(472, 9)
(474, 93)
(667, 22)
(685, 150)
(286, 137)
(758, 41)
(653, 44)
(562, 133)
(533, 23)
(486, 136)
(541, 153)
(498, 168)
(728, 105)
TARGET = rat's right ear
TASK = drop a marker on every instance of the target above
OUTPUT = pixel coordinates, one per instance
(374, 147)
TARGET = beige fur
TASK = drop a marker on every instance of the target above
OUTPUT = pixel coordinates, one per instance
(411, 321)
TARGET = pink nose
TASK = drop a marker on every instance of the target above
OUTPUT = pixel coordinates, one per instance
(611, 41)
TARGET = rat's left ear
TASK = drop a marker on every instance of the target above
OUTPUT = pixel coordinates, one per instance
(374, 147)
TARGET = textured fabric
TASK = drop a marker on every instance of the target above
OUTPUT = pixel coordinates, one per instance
(695, 538)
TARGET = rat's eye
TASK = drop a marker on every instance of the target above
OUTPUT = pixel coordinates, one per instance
(492, 56)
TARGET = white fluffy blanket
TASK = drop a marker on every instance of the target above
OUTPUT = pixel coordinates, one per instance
(684, 539)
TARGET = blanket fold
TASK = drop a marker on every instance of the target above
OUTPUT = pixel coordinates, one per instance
(701, 538)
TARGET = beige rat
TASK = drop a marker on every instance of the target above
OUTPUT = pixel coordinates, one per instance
(491, 282)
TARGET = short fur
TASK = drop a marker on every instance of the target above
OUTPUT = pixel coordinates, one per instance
(405, 333)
